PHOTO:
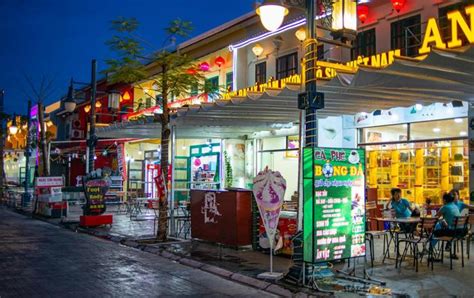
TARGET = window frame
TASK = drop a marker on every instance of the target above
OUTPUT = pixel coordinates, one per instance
(365, 44)
(398, 32)
(261, 72)
(286, 72)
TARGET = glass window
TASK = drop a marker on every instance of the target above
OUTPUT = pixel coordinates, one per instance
(451, 128)
(287, 66)
(445, 24)
(406, 35)
(364, 44)
(261, 73)
(320, 52)
(229, 81)
(381, 134)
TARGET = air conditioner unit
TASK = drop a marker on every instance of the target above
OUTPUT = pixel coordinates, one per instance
(76, 124)
(77, 134)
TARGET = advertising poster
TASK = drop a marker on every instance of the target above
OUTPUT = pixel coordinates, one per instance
(269, 190)
(334, 204)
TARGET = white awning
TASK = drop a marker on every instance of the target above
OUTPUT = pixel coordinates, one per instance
(443, 76)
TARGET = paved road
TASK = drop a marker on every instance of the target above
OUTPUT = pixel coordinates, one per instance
(43, 260)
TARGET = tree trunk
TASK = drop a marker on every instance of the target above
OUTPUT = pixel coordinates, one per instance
(162, 234)
(44, 146)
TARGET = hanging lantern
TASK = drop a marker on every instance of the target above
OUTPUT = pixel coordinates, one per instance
(362, 12)
(301, 34)
(98, 104)
(126, 96)
(398, 4)
(219, 61)
(204, 66)
(257, 50)
(87, 108)
(191, 71)
(344, 19)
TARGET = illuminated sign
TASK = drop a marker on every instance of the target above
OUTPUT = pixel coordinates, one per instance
(433, 32)
(334, 204)
(378, 60)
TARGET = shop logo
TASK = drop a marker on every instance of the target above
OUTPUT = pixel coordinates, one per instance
(209, 209)
(354, 157)
(328, 170)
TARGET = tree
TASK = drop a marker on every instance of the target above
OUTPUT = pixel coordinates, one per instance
(40, 93)
(176, 74)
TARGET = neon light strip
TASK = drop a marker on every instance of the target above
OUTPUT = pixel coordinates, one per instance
(269, 34)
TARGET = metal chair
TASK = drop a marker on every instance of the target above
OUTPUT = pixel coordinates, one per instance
(422, 236)
(458, 234)
(371, 234)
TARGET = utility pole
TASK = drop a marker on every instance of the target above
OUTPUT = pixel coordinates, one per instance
(92, 136)
(44, 147)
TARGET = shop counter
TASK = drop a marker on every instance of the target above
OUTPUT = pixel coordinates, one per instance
(222, 216)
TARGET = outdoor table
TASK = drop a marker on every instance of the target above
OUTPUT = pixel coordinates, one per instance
(393, 233)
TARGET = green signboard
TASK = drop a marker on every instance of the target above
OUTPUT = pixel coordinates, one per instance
(334, 204)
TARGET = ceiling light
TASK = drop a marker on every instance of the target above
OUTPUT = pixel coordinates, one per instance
(436, 129)
(463, 133)
(458, 120)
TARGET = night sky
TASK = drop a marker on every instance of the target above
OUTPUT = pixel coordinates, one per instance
(58, 38)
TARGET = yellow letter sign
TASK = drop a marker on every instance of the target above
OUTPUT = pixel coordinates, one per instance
(432, 34)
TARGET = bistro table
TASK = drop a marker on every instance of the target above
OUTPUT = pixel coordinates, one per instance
(393, 233)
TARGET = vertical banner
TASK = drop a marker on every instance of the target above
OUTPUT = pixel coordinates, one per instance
(334, 204)
(269, 190)
(121, 161)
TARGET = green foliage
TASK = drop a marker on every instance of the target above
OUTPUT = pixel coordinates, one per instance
(229, 176)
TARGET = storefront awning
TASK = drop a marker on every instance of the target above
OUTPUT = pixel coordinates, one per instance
(442, 76)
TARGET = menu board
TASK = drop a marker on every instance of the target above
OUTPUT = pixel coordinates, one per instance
(334, 204)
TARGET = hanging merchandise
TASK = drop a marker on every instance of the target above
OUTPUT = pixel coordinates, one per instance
(204, 66)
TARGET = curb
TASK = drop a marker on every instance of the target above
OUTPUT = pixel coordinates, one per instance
(237, 277)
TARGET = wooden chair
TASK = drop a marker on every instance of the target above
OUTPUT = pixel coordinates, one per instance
(470, 223)
(421, 236)
(371, 234)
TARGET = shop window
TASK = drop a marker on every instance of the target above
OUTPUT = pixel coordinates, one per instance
(445, 24)
(365, 44)
(320, 52)
(213, 85)
(406, 35)
(451, 128)
(286, 66)
(383, 134)
(194, 90)
(261, 73)
(229, 81)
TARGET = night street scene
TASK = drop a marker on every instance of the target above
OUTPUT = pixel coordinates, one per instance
(272, 148)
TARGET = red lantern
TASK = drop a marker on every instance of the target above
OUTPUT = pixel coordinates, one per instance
(398, 4)
(204, 66)
(219, 61)
(191, 71)
(362, 12)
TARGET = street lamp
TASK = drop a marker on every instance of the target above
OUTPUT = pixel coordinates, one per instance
(70, 102)
(13, 129)
(310, 100)
(272, 13)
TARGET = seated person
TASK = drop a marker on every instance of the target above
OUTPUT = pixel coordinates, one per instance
(459, 203)
(447, 215)
(400, 205)
(402, 209)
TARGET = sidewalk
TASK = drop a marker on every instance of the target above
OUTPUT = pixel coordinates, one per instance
(246, 264)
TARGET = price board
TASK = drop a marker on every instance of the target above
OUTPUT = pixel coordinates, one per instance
(334, 204)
